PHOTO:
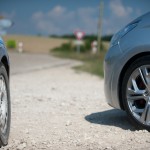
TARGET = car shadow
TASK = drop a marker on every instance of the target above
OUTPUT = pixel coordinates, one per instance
(113, 117)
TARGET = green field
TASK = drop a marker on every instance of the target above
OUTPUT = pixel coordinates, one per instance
(91, 63)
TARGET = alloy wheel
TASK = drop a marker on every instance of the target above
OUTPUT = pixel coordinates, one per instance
(3, 105)
(138, 94)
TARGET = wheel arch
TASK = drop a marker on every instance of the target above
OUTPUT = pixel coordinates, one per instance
(5, 62)
(132, 59)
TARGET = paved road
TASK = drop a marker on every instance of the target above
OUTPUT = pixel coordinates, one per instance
(23, 63)
(57, 108)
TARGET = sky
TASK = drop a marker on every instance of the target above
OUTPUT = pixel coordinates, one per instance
(47, 17)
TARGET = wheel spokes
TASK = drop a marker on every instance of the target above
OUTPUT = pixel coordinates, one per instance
(136, 110)
(145, 117)
(133, 98)
(145, 76)
(148, 116)
(138, 94)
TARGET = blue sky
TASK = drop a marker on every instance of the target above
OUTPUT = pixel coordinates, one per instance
(65, 16)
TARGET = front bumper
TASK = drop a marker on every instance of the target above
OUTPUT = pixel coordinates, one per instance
(111, 76)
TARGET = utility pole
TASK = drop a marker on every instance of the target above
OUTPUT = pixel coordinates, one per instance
(100, 25)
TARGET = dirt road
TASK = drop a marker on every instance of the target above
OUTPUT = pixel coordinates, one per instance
(57, 108)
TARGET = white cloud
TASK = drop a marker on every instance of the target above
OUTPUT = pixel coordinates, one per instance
(120, 16)
(57, 11)
(59, 20)
(117, 8)
(49, 27)
(86, 11)
(38, 15)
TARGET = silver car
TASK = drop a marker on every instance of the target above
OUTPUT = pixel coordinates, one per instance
(127, 71)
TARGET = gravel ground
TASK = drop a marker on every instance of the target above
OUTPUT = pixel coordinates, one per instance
(57, 108)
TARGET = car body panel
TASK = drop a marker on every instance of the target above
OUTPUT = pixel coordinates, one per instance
(110, 67)
(135, 42)
(4, 53)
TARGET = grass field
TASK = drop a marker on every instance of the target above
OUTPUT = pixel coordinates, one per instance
(91, 63)
(35, 44)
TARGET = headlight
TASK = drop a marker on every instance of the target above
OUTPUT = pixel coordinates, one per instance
(121, 33)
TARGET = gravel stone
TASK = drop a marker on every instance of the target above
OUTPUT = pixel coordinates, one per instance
(57, 108)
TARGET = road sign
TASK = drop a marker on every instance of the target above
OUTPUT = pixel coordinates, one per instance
(78, 42)
(79, 34)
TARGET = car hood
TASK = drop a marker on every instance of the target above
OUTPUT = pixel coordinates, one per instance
(143, 17)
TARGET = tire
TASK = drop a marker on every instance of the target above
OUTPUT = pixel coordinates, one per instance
(5, 108)
(136, 93)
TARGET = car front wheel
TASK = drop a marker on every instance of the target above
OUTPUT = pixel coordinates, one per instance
(5, 113)
(136, 92)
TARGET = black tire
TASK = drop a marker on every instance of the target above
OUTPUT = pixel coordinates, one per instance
(4, 136)
(145, 60)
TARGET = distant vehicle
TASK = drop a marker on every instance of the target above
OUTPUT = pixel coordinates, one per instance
(5, 110)
(127, 71)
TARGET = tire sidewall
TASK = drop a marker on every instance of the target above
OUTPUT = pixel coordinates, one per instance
(4, 137)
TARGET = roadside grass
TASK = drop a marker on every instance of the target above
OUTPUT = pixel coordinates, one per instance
(91, 63)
